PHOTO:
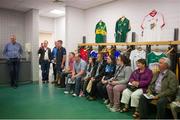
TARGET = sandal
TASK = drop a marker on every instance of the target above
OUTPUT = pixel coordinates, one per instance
(136, 114)
(124, 110)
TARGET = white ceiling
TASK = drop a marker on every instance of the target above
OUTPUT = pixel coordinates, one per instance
(45, 6)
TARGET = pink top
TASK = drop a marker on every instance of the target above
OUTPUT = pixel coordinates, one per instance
(71, 64)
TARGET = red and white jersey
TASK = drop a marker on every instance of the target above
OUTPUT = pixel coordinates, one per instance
(152, 25)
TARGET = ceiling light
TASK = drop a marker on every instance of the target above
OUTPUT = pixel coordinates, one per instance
(57, 11)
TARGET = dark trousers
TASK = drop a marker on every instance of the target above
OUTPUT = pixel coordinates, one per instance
(78, 85)
(94, 92)
(63, 76)
(85, 86)
(54, 71)
(45, 70)
(144, 105)
(69, 87)
(13, 65)
(102, 92)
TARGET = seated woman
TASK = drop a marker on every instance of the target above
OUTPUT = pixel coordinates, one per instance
(109, 73)
(90, 72)
(138, 84)
(118, 82)
(101, 64)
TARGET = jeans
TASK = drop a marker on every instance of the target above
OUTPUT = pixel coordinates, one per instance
(78, 85)
(45, 70)
(54, 71)
(13, 65)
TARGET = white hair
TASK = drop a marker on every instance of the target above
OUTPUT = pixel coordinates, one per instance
(167, 61)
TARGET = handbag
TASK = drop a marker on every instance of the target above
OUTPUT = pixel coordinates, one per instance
(89, 87)
(132, 88)
(70, 81)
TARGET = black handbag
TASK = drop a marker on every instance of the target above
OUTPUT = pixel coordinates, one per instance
(132, 88)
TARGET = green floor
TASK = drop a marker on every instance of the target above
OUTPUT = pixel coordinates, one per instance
(47, 101)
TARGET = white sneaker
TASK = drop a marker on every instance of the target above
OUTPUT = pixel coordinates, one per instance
(106, 101)
(108, 106)
(113, 109)
(66, 92)
(74, 95)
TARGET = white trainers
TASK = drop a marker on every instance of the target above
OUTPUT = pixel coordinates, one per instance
(66, 92)
(113, 109)
(108, 106)
(74, 95)
(106, 101)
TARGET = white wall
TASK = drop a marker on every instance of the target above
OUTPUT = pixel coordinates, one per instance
(32, 37)
(134, 10)
(46, 24)
(56, 26)
(74, 27)
(11, 22)
(60, 28)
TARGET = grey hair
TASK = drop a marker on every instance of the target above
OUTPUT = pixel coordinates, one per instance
(167, 61)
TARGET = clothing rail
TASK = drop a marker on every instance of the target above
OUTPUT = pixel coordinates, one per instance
(132, 43)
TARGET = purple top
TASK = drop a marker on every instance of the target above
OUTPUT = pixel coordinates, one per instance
(144, 78)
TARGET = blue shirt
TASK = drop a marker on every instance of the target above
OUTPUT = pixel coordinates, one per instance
(54, 52)
(12, 50)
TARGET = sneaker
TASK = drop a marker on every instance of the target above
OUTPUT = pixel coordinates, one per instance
(106, 101)
(74, 95)
(109, 106)
(66, 92)
(113, 109)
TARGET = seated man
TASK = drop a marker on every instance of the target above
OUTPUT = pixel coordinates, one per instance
(163, 87)
(78, 73)
(175, 106)
(61, 81)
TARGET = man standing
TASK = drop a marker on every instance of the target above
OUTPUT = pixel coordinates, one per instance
(60, 59)
(163, 87)
(54, 53)
(45, 57)
(13, 52)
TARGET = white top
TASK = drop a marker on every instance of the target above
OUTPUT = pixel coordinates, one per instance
(46, 54)
(136, 55)
(152, 27)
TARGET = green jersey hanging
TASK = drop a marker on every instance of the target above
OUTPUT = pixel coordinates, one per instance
(153, 60)
(122, 28)
(101, 32)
